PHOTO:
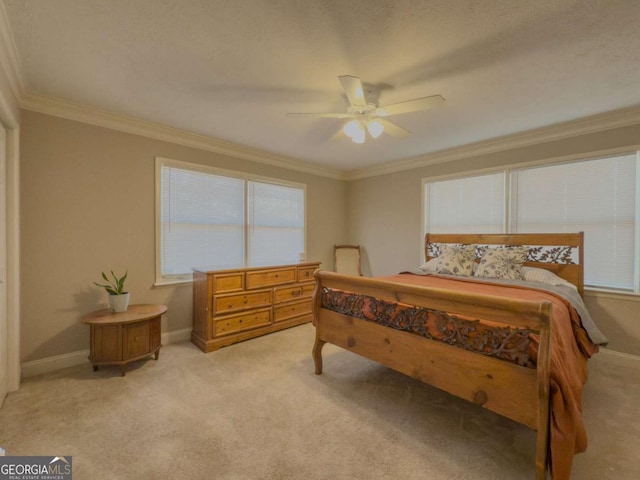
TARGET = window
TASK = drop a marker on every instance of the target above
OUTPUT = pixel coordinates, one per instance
(275, 223)
(466, 205)
(597, 197)
(213, 219)
(600, 197)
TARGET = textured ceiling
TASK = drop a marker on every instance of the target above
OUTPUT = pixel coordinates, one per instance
(232, 69)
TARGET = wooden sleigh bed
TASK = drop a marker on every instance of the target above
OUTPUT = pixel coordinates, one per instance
(515, 365)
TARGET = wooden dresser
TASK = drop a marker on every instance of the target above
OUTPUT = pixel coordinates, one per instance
(230, 306)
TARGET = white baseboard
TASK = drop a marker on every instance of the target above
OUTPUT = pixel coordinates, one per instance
(57, 362)
(51, 364)
(176, 336)
(619, 358)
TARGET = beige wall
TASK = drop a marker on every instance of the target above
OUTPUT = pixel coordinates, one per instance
(88, 205)
(385, 219)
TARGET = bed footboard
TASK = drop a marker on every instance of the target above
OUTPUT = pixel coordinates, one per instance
(516, 392)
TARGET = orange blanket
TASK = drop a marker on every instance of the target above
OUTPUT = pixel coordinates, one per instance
(570, 349)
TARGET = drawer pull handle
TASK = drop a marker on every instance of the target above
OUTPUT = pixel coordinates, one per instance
(306, 274)
(296, 293)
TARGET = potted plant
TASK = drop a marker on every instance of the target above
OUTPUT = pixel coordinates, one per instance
(118, 298)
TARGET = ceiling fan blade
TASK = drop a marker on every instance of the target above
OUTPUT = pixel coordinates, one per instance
(393, 129)
(410, 106)
(321, 115)
(338, 135)
(353, 88)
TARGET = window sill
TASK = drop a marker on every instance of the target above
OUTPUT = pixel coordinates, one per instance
(616, 295)
(172, 283)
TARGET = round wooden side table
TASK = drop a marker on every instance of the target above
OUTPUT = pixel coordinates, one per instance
(122, 338)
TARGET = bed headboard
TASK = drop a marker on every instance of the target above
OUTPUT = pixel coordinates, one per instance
(560, 253)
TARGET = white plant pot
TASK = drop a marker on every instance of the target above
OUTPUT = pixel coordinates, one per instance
(119, 303)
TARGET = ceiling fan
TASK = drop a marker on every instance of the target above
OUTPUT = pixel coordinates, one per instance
(370, 117)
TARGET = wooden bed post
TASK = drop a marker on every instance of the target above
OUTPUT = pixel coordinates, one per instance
(317, 354)
(544, 374)
(318, 344)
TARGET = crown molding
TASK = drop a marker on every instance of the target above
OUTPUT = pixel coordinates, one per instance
(592, 124)
(9, 59)
(103, 118)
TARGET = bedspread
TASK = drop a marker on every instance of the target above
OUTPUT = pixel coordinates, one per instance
(570, 346)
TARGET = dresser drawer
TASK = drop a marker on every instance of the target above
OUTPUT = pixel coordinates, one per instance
(284, 294)
(307, 289)
(234, 323)
(228, 282)
(290, 310)
(268, 278)
(241, 301)
(306, 273)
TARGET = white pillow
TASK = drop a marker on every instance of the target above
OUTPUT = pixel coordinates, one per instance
(430, 266)
(540, 275)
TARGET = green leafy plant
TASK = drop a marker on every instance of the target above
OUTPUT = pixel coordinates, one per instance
(115, 286)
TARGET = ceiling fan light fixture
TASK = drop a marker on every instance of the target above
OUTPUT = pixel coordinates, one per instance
(366, 116)
(359, 137)
(353, 128)
(375, 128)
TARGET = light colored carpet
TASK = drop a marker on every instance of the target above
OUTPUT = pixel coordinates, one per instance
(256, 410)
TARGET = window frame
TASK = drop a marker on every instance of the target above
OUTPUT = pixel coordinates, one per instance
(167, 280)
(576, 158)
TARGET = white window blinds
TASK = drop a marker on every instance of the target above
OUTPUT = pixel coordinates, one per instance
(597, 197)
(275, 223)
(202, 217)
(466, 205)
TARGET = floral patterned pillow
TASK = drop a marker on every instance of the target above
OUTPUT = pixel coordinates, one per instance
(456, 260)
(503, 262)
